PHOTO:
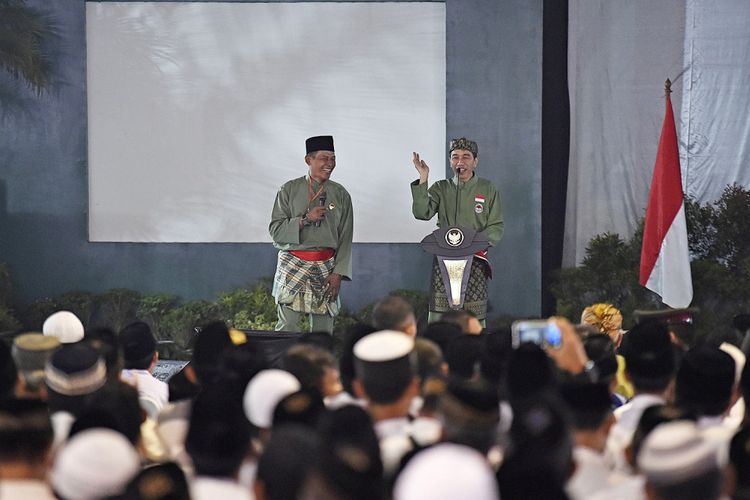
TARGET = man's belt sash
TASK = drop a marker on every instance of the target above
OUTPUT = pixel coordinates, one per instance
(314, 255)
(455, 248)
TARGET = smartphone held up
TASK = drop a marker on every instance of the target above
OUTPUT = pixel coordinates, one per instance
(542, 332)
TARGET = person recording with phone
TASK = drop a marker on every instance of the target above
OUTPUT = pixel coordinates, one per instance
(464, 200)
(312, 225)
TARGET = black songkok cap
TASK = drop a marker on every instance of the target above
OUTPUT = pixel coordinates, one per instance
(648, 351)
(470, 406)
(75, 370)
(210, 344)
(137, 341)
(442, 332)
(319, 143)
(586, 396)
(705, 380)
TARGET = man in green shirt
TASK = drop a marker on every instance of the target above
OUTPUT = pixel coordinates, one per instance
(312, 225)
(464, 200)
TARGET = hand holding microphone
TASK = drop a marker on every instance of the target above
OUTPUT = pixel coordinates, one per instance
(321, 203)
(315, 215)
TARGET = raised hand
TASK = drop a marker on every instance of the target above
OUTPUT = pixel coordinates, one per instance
(422, 168)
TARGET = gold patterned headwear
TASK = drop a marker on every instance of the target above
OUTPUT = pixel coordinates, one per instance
(466, 144)
(605, 317)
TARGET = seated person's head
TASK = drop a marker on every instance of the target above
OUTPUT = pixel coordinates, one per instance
(466, 320)
(394, 313)
(210, 343)
(601, 350)
(286, 460)
(650, 419)
(430, 362)
(530, 372)
(589, 405)
(114, 406)
(678, 461)
(441, 333)
(72, 373)
(495, 356)
(463, 355)
(219, 434)
(649, 357)
(539, 459)
(349, 464)
(705, 381)
(470, 412)
(26, 435)
(385, 365)
(31, 351)
(138, 346)
(346, 361)
(105, 341)
(314, 367)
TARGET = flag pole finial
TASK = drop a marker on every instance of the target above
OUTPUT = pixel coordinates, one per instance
(667, 87)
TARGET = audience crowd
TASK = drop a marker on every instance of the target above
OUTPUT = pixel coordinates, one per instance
(451, 412)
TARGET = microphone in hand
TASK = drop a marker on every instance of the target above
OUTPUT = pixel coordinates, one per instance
(321, 203)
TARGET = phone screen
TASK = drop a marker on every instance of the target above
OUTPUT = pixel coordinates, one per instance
(541, 332)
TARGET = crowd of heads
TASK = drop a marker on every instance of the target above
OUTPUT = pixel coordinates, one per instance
(452, 411)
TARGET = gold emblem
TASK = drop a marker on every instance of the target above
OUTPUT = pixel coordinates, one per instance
(331, 206)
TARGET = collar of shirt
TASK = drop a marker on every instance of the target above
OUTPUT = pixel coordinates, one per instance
(392, 427)
(471, 182)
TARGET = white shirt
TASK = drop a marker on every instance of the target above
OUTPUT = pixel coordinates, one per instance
(213, 488)
(632, 488)
(62, 421)
(736, 414)
(591, 475)
(25, 489)
(172, 428)
(342, 399)
(395, 442)
(621, 433)
(153, 394)
(719, 433)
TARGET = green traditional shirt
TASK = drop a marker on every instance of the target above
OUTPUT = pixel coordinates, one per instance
(478, 205)
(335, 231)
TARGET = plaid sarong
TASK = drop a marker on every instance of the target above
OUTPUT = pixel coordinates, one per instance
(300, 284)
(475, 299)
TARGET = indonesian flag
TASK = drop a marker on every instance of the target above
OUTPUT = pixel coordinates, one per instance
(665, 261)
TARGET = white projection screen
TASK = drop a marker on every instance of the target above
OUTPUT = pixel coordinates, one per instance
(198, 112)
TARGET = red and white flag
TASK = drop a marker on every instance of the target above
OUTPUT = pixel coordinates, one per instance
(665, 259)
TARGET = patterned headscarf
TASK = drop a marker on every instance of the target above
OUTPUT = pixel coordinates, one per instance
(606, 317)
(466, 144)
